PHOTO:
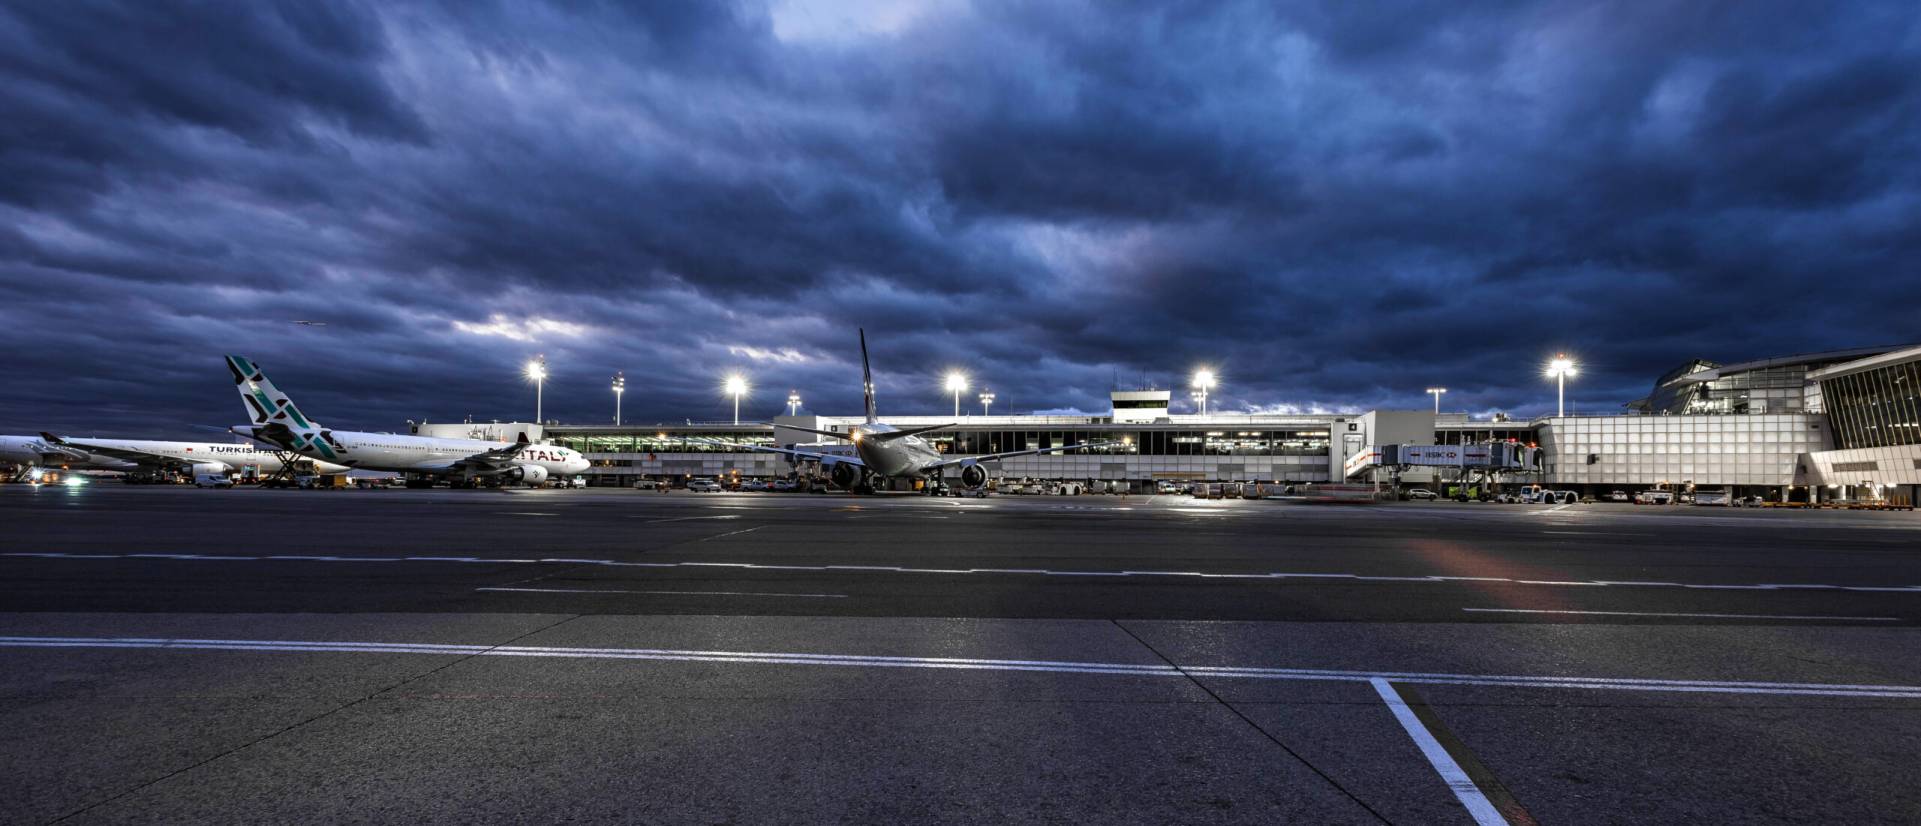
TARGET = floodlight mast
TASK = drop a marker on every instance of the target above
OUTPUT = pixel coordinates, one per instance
(736, 386)
(1204, 380)
(537, 370)
(620, 386)
(957, 384)
(1559, 369)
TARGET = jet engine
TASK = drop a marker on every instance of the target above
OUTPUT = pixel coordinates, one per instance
(845, 474)
(531, 474)
(973, 477)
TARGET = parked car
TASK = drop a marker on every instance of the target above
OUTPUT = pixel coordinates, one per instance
(785, 486)
(1421, 495)
(1618, 496)
(703, 486)
(1654, 497)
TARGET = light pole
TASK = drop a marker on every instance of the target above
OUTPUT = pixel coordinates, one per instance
(1436, 393)
(537, 370)
(957, 384)
(987, 400)
(1203, 382)
(1559, 369)
(793, 403)
(736, 387)
(620, 386)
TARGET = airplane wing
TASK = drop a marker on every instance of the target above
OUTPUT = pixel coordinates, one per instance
(841, 436)
(904, 432)
(486, 460)
(1010, 454)
(131, 455)
(823, 458)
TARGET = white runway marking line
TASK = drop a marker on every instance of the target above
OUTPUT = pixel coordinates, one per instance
(691, 518)
(525, 513)
(1665, 614)
(1273, 576)
(983, 664)
(1470, 795)
(671, 593)
(731, 533)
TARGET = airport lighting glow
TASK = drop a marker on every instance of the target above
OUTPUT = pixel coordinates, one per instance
(537, 370)
(620, 386)
(1560, 369)
(793, 403)
(1436, 392)
(736, 385)
(987, 400)
(1204, 380)
(957, 384)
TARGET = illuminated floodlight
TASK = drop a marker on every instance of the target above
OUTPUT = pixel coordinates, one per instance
(537, 371)
(1559, 369)
(1204, 380)
(957, 384)
(736, 385)
(620, 386)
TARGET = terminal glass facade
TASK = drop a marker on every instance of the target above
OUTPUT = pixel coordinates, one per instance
(1703, 450)
(1191, 442)
(1777, 389)
(1875, 408)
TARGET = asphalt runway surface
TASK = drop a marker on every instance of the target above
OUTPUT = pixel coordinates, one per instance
(170, 654)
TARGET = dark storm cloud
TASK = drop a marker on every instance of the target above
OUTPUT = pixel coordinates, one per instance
(1335, 205)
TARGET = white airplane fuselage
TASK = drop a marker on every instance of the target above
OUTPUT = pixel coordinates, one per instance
(427, 454)
(37, 451)
(905, 456)
(33, 451)
(233, 457)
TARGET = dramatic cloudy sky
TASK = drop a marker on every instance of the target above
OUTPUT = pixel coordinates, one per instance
(1335, 204)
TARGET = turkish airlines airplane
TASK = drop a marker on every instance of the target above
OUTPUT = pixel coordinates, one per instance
(209, 463)
(277, 422)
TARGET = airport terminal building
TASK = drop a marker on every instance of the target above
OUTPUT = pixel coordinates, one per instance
(1834, 425)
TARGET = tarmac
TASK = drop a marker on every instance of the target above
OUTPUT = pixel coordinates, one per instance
(170, 654)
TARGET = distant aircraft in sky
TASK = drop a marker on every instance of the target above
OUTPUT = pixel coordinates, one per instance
(277, 422)
(884, 451)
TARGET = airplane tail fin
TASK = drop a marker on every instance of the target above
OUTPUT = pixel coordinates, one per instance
(867, 378)
(274, 416)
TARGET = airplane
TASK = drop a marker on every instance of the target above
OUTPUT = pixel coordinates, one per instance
(884, 451)
(211, 464)
(34, 454)
(277, 422)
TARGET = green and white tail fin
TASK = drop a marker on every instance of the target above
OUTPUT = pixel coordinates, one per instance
(275, 417)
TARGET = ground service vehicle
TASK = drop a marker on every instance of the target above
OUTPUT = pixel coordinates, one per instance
(704, 486)
(1421, 495)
